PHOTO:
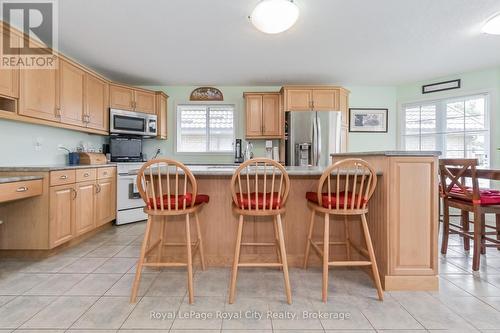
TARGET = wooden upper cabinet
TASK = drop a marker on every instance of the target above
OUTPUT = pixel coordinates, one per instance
(85, 207)
(325, 99)
(37, 93)
(344, 106)
(271, 115)
(161, 112)
(96, 102)
(253, 110)
(9, 78)
(144, 101)
(263, 115)
(62, 214)
(71, 94)
(121, 98)
(298, 99)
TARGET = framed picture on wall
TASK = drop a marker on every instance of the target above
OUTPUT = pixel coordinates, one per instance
(368, 120)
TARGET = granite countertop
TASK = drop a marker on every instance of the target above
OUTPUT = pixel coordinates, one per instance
(390, 153)
(4, 180)
(55, 167)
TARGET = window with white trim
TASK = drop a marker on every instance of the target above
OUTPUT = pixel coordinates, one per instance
(205, 128)
(458, 127)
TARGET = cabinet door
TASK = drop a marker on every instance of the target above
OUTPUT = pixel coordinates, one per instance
(85, 207)
(144, 101)
(121, 98)
(299, 99)
(325, 99)
(271, 115)
(62, 214)
(96, 106)
(344, 132)
(161, 112)
(37, 94)
(105, 201)
(253, 111)
(9, 78)
(344, 107)
(71, 85)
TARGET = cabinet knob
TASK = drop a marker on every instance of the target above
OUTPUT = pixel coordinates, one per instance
(22, 189)
(86, 174)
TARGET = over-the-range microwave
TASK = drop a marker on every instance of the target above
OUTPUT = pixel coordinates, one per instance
(132, 123)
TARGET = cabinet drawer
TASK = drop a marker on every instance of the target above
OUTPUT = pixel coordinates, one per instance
(106, 172)
(62, 177)
(20, 190)
(83, 175)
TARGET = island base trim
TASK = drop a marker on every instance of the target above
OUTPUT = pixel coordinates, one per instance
(411, 283)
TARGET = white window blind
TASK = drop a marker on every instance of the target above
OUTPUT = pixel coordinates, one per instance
(205, 128)
(458, 127)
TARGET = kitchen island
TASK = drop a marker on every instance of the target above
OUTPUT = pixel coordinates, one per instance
(403, 219)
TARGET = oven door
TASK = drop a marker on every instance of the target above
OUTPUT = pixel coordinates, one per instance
(127, 122)
(127, 195)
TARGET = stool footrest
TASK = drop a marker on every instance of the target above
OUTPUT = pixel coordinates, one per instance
(350, 263)
(260, 264)
(164, 264)
(258, 244)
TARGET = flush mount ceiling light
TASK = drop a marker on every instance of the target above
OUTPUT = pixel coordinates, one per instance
(274, 16)
(492, 26)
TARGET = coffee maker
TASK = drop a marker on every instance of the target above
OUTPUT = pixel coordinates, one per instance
(238, 154)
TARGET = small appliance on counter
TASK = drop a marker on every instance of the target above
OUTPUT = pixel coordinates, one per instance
(269, 149)
(92, 158)
(125, 149)
(238, 152)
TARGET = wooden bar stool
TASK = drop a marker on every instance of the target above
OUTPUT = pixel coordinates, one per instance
(454, 174)
(260, 188)
(343, 190)
(169, 189)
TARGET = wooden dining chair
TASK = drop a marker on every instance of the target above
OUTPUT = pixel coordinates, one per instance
(260, 187)
(168, 188)
(344, 189)
(456, 193)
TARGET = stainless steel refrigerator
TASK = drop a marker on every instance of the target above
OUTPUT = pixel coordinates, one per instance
(311, 136)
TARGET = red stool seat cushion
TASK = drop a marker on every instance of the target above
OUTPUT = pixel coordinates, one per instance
(258, 202)
(313, 197)
(487, 196)
(200, 198)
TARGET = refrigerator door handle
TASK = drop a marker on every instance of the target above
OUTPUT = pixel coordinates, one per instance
(314, 141)
(318, 140)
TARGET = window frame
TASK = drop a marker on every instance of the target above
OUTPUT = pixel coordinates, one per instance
(208, 105)
(441, 120)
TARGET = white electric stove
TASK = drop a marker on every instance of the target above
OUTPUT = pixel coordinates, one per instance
(129, 203)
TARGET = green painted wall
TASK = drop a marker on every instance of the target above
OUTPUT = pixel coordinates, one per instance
(18, 143)
(472, 82)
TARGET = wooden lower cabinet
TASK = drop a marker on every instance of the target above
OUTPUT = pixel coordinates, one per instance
(62, 214)
(105, 203)
(85, 203)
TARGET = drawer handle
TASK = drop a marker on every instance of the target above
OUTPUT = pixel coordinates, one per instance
(22, 189)
(63, 177)
(86, 174)
(105, 173)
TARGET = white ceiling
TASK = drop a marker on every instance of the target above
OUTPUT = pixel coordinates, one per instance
(197, 42)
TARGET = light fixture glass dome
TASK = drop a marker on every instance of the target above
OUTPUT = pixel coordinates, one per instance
(274, 16)
(492, 26)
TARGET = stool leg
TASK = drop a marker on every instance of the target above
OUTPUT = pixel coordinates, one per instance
(162, 240)
(138, 272)
(200, 241)
(476, 256)
(284, 260)
(465, 225)
(369, 246)
(309, 239)
(497, 221)
(236, 260)
(326, 246)
(446, 227)
(277, 241)
(483, 235)
(189, 261)
(347, 241)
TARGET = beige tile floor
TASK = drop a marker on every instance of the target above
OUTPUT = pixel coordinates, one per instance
(86, 289)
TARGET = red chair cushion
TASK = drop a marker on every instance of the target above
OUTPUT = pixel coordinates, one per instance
(487, 196)
(313, 197)
(200, 198)
(258, 201)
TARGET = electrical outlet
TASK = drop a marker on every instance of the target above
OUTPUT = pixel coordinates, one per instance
(38, 143)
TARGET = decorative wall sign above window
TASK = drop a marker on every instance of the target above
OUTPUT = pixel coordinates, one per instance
(441, 86)
(206, 94)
